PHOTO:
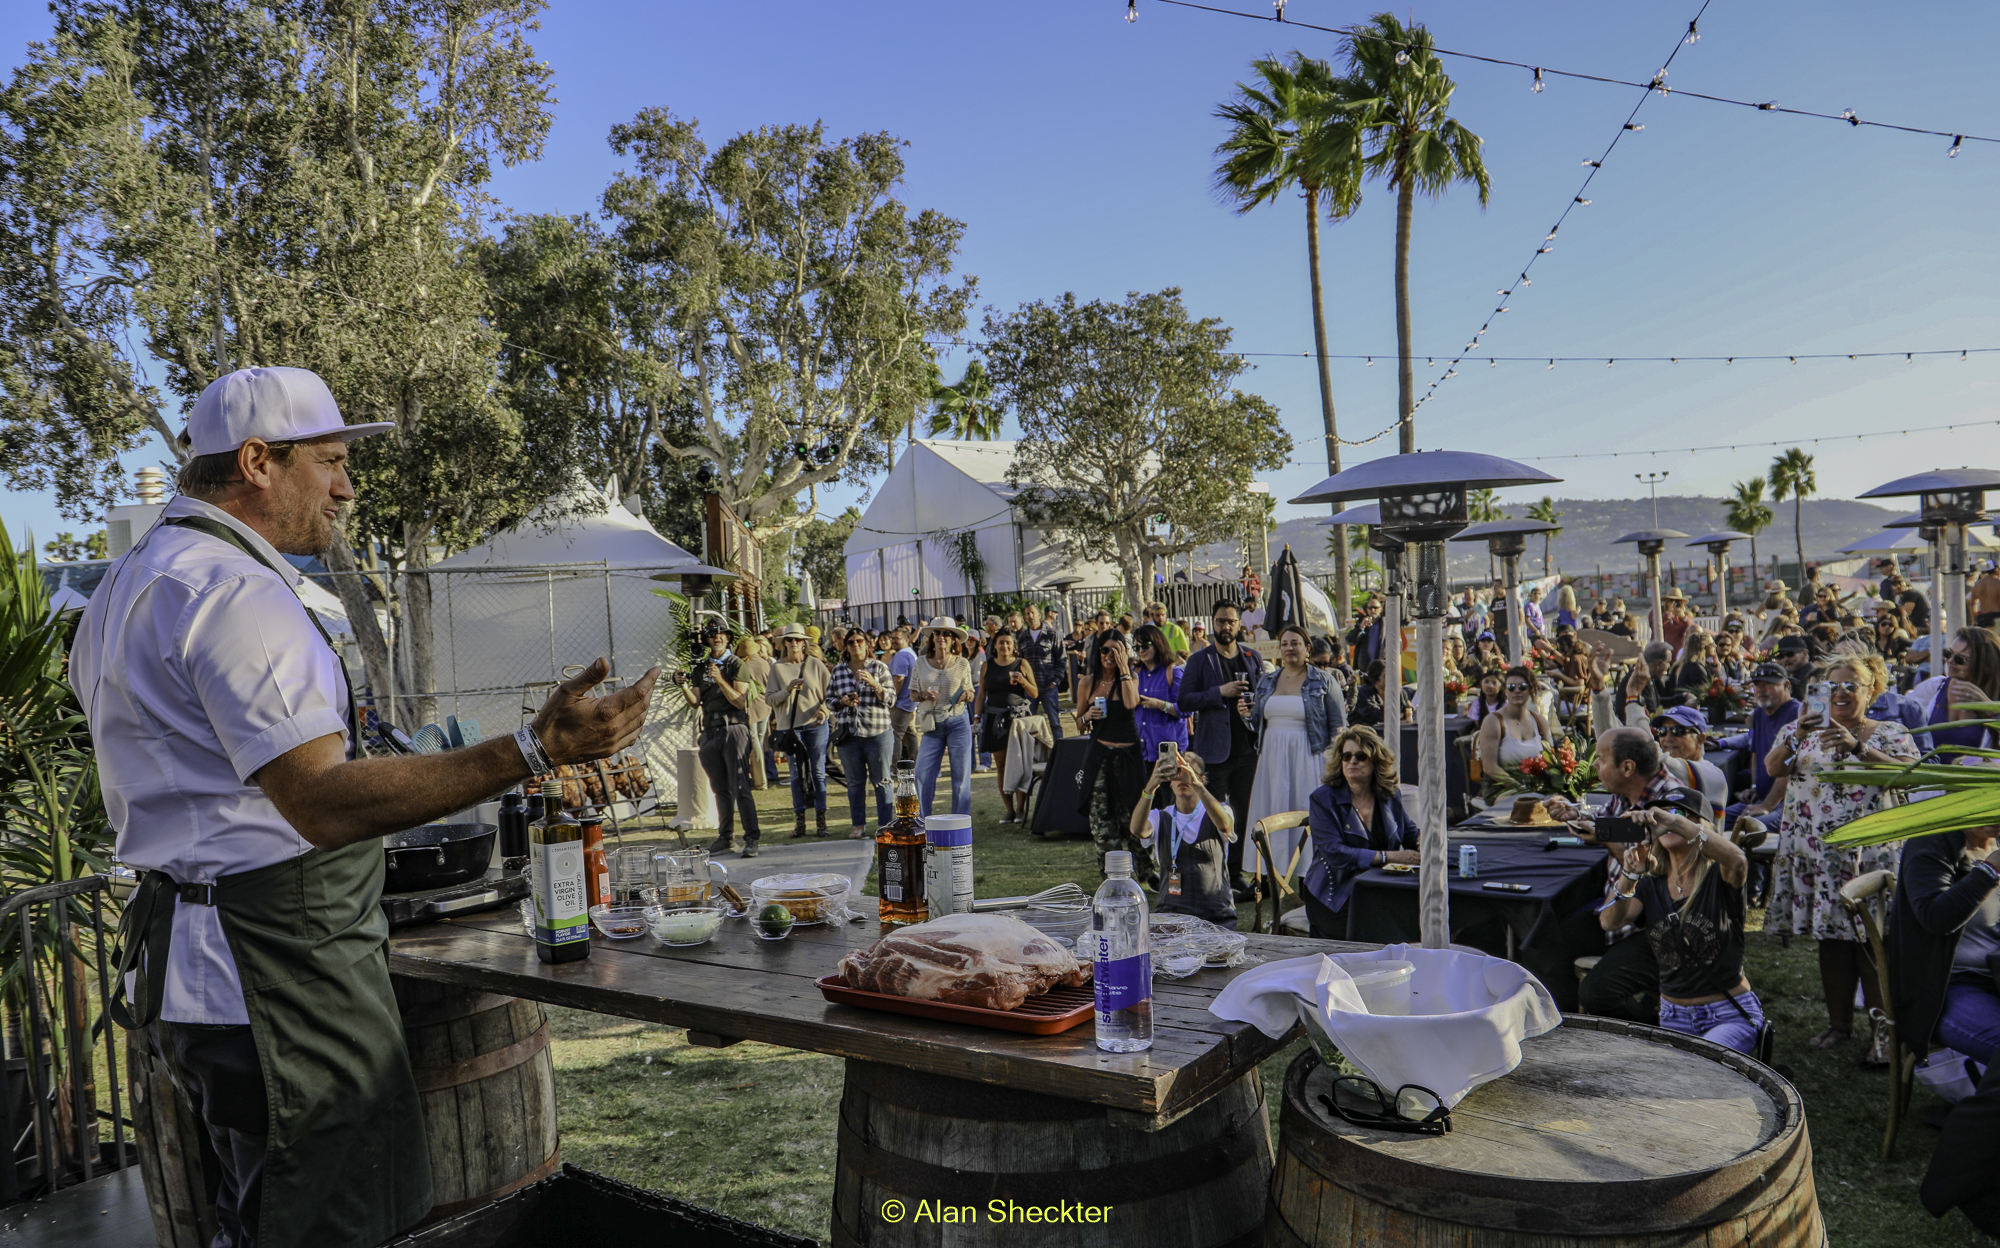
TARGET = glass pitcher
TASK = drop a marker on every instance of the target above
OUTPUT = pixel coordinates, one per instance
(687, 877)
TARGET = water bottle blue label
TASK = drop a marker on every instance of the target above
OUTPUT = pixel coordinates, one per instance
(1124, 982)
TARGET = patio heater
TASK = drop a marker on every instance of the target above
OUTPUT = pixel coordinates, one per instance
(1423, 503)
(696, 580)
(1650, 543)
(1932, 536)
(1718, 549)
(1062, 585)
(1508, 540)
(1948, 500)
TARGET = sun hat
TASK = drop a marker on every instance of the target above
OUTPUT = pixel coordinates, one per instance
(789, 630)
(1674, 595)
(275, 404)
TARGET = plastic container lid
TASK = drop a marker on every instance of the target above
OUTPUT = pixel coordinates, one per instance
(811, 896)
(1384, 986)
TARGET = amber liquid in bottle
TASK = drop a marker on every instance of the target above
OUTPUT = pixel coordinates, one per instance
(899, 856)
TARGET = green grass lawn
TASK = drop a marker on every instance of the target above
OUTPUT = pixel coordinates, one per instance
(749, 1130)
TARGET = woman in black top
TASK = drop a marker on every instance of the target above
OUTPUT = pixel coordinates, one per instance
(716, 683)
(1006, 688)
(1113, 771)
(1688, 882)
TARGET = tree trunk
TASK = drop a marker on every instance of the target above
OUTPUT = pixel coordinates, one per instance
(1344, 596)
(353, 590)
(1798, 530)
(418, 621)
(1130, 556)
(1406, 384)
(1755, 567)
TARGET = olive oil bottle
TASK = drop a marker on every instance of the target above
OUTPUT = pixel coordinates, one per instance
(556, 881)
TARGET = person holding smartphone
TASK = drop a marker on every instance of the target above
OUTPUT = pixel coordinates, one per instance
(1189, 839)
(1625, 983)
(1833, 733)
(1686, 881)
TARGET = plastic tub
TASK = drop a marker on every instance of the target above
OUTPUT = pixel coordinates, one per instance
(683, 928)
(812, 897)
(1062, 924)
(1384, 986)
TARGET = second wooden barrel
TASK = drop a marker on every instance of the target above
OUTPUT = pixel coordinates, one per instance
(1608, 1135)
(924, 1159)
(488, 1087)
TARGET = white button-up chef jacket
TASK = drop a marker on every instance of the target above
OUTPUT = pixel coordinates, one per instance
(196, 666)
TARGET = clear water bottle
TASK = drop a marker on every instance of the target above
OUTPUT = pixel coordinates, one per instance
(1123, 953)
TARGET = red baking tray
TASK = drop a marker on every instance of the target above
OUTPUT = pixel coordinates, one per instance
(1058, 1009)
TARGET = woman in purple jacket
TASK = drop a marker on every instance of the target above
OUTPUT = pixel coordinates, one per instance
(1159, 713)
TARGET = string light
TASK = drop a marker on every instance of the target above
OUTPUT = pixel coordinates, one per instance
(1581, 200)
(1279, 5)
(1848, 115)
(1957, 141)
(1737, 446)
(1630, 126)
(1593, 164)
(1402, 56)
(1654, 84)
(1131, 10)
(1537, 88)
(1693, 35)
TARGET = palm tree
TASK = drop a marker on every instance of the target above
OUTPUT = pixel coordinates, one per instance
(1284, 134)
(1397, 92)
(1748, 513)
(1792, 475)
(963, 409)
(1546, 512)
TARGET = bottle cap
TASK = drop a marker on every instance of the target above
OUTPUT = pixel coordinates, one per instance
(1118, 862)
(948, 821)
(510, 800)
(552, 787)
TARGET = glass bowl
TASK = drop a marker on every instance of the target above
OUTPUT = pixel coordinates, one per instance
(619, 922)
(681, 928)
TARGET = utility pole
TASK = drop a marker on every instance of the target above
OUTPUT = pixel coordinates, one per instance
(1652, 480)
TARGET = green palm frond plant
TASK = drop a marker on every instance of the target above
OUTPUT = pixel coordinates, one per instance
(1969, 797)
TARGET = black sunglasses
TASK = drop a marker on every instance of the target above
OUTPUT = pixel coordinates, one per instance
(1957, 658)
(1679, 730)
(1349, 756)
(1517, 688)
(1364, 1103)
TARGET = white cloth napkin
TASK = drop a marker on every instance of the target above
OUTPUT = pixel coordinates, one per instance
(1468, 1014)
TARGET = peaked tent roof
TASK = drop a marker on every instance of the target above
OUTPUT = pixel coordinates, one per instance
(935, 486)
(586, 525)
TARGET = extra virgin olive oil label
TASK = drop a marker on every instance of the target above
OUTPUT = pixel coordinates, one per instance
(556, 882)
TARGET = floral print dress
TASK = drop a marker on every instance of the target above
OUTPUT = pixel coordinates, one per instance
(1807, 873)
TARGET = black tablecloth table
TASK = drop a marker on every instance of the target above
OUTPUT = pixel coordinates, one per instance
(1545, 929)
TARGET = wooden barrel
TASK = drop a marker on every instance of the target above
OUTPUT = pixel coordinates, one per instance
(488, 1087)
(1608, 1135)
(948, 1150)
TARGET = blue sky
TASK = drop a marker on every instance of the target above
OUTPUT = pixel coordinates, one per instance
(1077, 148)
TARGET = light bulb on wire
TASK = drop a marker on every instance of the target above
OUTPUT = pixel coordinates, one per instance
(1848, 115)
(1693, 35)
(1537, 87)
(1957, 141)
(1402, 56)
(1131, 10)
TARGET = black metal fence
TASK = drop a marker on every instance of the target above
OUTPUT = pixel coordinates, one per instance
(58, 1000)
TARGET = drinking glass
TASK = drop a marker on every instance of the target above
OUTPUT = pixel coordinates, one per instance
(633, 882)
(687, 877)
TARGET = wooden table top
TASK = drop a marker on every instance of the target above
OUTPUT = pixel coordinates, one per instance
(743, 988)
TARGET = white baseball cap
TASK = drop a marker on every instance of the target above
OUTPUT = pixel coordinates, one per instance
(275, 404)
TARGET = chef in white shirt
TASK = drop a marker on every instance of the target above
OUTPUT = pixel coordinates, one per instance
(254, 951)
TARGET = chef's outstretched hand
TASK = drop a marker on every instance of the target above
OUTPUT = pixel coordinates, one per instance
(577, 728)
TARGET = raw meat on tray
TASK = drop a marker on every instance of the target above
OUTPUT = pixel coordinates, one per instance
(992, 961)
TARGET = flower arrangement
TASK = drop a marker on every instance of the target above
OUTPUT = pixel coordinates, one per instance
(1558, 771)
(1725, 697)
(1455, 688)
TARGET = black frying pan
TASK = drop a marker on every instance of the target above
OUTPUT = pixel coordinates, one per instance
(437, 855)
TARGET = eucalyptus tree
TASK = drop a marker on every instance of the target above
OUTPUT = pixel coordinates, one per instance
(803, 297)
(1288, 133)
(1130, 417)
(192, 186)
(1397, 93)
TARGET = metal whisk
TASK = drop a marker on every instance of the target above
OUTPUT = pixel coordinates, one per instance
(1061, 896)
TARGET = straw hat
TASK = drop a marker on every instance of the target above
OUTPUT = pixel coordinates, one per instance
(1674, 595)
(938, 624)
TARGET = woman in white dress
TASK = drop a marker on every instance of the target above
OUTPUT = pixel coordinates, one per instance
(1295, 710)
(1516, 731)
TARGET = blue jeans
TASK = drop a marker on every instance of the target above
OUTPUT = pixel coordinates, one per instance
(1718, 1021)
(955, 735)
(866, 762)
(1052, 707)
(812, 761)
(1971, 1021)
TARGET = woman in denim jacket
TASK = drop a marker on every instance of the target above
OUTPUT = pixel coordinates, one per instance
(1358, 822)
(1295, 710)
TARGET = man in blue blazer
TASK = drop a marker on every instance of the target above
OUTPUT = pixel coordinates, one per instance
(1216, 677)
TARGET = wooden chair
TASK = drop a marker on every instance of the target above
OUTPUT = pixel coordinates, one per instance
(1856, 895)
(1280, 883)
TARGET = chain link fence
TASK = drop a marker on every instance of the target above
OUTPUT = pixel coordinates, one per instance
(501, 637)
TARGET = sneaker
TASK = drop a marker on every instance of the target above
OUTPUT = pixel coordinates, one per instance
(749, 850)
(719, 845)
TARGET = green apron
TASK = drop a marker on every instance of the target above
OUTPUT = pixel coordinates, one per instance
(348, 1160)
